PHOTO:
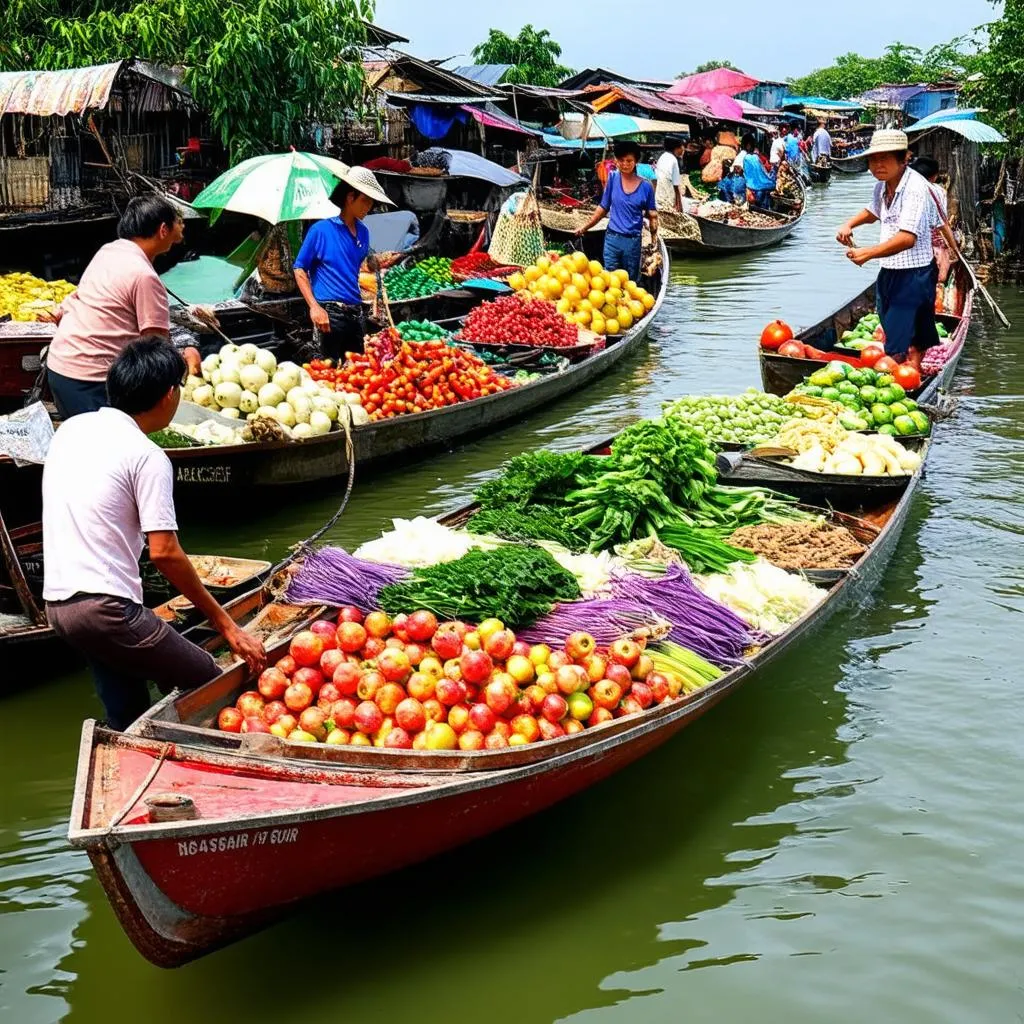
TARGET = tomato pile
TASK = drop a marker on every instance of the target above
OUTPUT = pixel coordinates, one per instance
(422, 375)
(415, 684)
(519, 320)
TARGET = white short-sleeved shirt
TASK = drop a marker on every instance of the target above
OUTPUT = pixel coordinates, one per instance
(105, 486)
(778, 153)
(667, 168)
(913, 209)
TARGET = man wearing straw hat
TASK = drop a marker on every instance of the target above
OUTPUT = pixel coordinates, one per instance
(327, 266)
(905, 292)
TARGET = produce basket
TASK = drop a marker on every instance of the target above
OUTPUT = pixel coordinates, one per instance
(574, 353)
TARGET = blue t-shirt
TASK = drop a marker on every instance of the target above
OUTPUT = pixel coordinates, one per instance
(332, 258)
(626, 209)
(792, 148)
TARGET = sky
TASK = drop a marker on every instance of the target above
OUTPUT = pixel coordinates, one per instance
(637, 40)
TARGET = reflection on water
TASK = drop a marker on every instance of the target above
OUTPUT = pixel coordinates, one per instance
(840, 837)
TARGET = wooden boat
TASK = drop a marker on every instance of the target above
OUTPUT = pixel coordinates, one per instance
(20, 345)
(718, 239)
(820, 173)
(261, 824)
(780, 374)
(857, 164)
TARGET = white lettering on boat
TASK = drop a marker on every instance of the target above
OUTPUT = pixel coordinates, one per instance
(237, 841)
(204, 474)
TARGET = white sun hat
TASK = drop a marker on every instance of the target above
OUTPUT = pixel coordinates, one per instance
(888, 140)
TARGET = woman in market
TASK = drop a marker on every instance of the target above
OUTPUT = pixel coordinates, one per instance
(328, 264)
(943, 243)
(627, 199)
(759, 182)
(905, 291)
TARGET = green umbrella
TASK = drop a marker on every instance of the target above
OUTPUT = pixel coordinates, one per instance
(278, 187)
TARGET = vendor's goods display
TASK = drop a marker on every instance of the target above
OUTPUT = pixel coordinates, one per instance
(439, 268)
(518, 320)
(874, 400)
(868, 330)
(403, 283)
(801, 545)
(25, 297)
(748, 419)
(420, 330)
(479, 264)
(826, 448)
(603, 301)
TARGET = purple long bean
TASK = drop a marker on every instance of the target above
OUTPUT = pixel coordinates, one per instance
(333, 576)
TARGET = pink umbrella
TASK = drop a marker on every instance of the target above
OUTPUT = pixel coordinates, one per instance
(720, 80)
(721, 105)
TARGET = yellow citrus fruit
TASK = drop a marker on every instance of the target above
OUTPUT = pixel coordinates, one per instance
(582, 316)
(648, 300)
(595, 267)
(622, 276)
(580, 261)
(599, 282)
(532, 274)
(563, 306)
(614, 294)
(587, 305)
(625, 318)
(553, 287)
(611, 326)
(572, 293)
(543, 264)
(581, 282)
(596, 298)
(609, 310)
(632, 289)
(636, 307)
(597, 324)
(517, 281)
(563, 274)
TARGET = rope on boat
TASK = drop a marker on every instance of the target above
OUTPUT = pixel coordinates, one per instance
(143, 786)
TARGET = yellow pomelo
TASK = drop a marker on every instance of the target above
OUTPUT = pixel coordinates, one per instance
(543, 264)
(572, 293)
(611, 326)
(595, 267)
(563, 306)
(636, 307)
(517, 281)
(609, 310)
(582, 316)
(532, 273)
(622, 276)
(581, 282)
(580, 261)
(597, 324)
(648, 300)
(625, 318)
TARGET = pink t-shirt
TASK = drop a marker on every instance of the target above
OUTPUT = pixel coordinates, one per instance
(120, 298)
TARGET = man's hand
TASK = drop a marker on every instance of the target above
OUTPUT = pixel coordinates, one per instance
(372, 263)
(321, 321)
(579, 232)
(859, 256)
(247, 647)
(193, 360)
(50, 316)
(844, 236)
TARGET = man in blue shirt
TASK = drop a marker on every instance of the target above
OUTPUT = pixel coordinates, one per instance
(627, 198)
(327, 266)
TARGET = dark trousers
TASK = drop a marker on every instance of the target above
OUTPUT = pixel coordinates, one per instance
(75, 396)
(347, 332)
(125, 646)
(906, 307)
(622, 252)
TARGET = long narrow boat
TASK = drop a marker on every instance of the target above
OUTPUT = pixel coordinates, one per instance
(718, 239)
(856, 164)
(820, 173)
(261, 825)
(780, 374)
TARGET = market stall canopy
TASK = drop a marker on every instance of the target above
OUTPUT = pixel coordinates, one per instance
(724, 81)
(722, 106)
(610, 126)
(961, 121)
(820, 103)
(491, 117)
(462, 164)
(603, 96)
(483, 74)
(889, 95)
(279, 187)
(79, 90)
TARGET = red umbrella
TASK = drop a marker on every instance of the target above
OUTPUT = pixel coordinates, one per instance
(720, 80)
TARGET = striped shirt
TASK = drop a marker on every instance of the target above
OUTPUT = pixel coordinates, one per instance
(913, 210)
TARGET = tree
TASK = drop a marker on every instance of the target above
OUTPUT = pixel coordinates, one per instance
(533, 55)
(1001, 89)
(710, 65)
(261, 71)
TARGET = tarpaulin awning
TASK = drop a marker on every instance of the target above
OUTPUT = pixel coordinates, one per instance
(820, 103)
(435, 121)
(963, 122)
(719, 80)
(602, 96)
(721, 105)
(600, 126)
(891, 95)
(483, 74)
(493, 118)
(553, 141)
(462, 164)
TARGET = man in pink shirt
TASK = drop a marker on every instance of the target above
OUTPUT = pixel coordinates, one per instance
(120, 298)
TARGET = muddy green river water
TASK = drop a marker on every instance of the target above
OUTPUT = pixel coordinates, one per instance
(842, 840)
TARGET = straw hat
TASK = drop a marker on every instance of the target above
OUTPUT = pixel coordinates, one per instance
(362, 179)
(887, 140)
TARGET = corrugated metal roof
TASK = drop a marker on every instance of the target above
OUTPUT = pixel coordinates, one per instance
(434, 99)
(956, 121)
(893, 95)
(483, 74)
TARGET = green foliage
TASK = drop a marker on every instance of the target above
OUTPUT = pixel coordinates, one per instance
(261, 71)
(1001, 90)
(852, 74)
(533, 55)
(710, 65)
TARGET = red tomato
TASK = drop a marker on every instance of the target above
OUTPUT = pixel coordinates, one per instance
(886, 365)
(870, 354)
(775, 335)
(794, 349)
(907, 377)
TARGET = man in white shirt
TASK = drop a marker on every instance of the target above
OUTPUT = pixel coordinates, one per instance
(905, 292)
(778, 150)
(669, 194)
(107, 488)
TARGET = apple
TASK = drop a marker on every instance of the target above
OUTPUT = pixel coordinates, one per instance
(481, 718)
(658, 682)
(557, 659)
(499, 644)
(624, 652)
(441, 736)
(517, 740)
(458, 718)
(393, 643)
(471, 739)
(451, 669)
(250, 704)
(606, 693)
(642, 694)
(349, 613)
(643, 668)
(619, 674)
(415, 653)
(520, 668)
(421, 686)
(369, 683)
(377, 624)
(434, 710)
(521, 649)
(675, 686)
(230, 720)
(326, 630)
(286, 664)
(373, 646)
(521, 705)
(495, 741)
(536, 695)
(421, 625)
(277, 729)
(301, 736)
(550, 730)
(346, 677)
(343, 712)
(254, 724)
(449, 691)
(419, 741)
(398, 627)
(600, 716)
(388, 697)
(548, 681)
(539, 654)
(629, 706)
(580, 645)
(351, 636)
(572, 726)
(272, 684)
(274, 711)
(472, 640)
(570, 678)
(312, 721)
(311, 677)
(475, 666)
(432, 667)
(338, 737)
(330, 660)
(581, 707)
(554, 708)
(498, 696)
(447, 642)
(488, 627)
(394, 666)
(360, 739)
(595, 667)
(328, 694)
(410, 716)
(306, 648)
(503, 727)
(526, 725)
(398, 739)
(288, 723)
(470, 694)
(368, 717)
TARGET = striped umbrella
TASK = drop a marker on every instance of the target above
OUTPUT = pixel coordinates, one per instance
(278, 187)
